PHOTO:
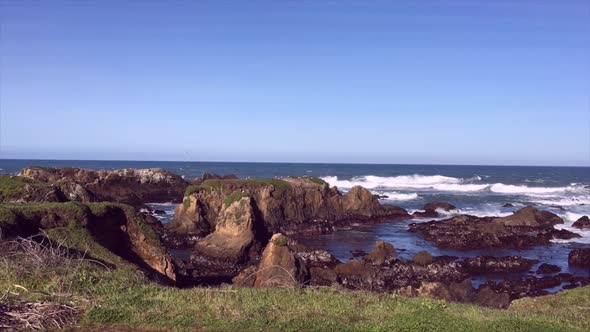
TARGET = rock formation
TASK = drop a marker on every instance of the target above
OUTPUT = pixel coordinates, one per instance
(117, 227)
(279, 266)
(582, 223)
(525, 228)
(579, 257)
(129, 186)
(281, 205)
(431, 210)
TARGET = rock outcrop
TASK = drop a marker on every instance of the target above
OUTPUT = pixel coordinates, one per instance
(279, 266)
(128, 186)
(579, 257)
(525, 228)
(582, 223)
(16, 189)
(490, 264)
(431, 210)
(117, 227)
(210, 176)
(286, 205)
(382, 253)
(234, 233)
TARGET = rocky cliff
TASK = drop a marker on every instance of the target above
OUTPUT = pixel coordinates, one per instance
(128, 186)
(280, 205)
(117, 227)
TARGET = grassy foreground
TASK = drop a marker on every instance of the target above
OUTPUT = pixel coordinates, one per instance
(122, 298)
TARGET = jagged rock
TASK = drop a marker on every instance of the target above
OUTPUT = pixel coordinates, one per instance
(525, 228)
(422, 258)
(382, 253)
(579, 257)
(582, 223)
(431, 210)
(282, 205)
(279, 267)
(505, 264)
(129, 186)
(211, 176)
(508, 205)
(234, 233)
(548, 268)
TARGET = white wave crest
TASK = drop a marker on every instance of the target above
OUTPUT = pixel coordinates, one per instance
(449, 184)
(396, 196)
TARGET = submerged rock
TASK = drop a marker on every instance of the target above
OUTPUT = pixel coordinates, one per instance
(525, 228)
(579, 257)
(582, 223)
(548, 269)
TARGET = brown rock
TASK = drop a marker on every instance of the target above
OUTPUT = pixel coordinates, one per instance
(381, 253)
(422, 258)
(579, 257)
(279, 267)
(582, 223)
(234, 233)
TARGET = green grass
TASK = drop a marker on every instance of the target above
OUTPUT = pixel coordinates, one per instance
(234, 197)
(14, 186)
(313, 179)
(192, 189)
(121, 298)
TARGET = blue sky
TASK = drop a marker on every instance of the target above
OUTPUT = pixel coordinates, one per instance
(444, 82)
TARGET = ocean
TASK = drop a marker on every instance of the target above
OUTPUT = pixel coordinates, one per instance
(476, 190)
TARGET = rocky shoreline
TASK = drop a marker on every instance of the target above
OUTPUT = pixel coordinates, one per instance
(240, 231)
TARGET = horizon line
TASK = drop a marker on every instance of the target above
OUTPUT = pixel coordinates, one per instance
(294, 162)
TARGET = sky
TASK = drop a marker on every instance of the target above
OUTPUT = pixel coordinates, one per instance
(428, 82)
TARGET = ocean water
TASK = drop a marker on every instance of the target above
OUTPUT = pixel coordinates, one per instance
(476, 190)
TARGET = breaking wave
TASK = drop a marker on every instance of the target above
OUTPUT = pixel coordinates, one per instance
(448, 184)
(397, 196)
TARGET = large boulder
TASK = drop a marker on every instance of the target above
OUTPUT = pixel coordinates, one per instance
(582, 223)
(234, 232)
(579, 257)
(527, 227)
(129, 186)
(382, 253)
(286, 205)
(279, 267)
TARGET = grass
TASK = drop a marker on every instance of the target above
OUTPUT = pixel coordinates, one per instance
(313, 179)
(14, 186)
(121, 298)
(234, 197)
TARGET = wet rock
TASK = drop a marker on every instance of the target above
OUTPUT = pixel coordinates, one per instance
(548, 269)
(525, 287)
(525, 228)
(579, 257)
(508, 205)
(431, 210)
(490, 264)
(382, 253)
(582, 223)
(358, 253)
(422, 258)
